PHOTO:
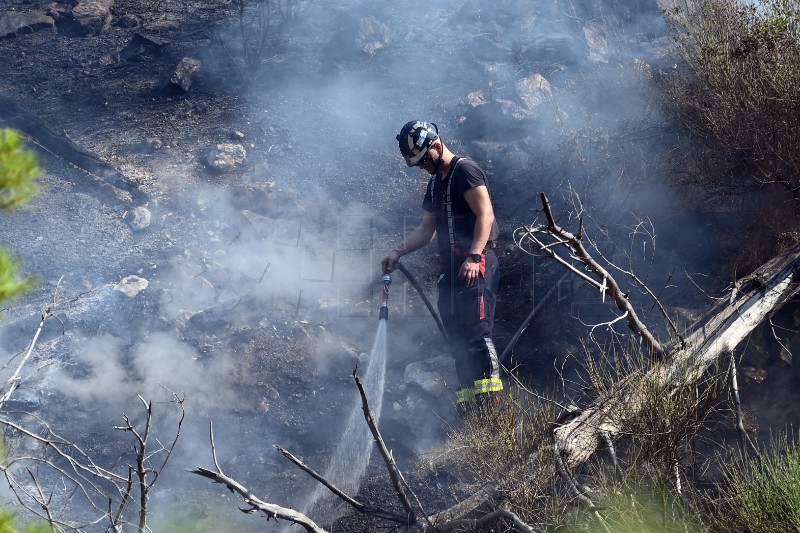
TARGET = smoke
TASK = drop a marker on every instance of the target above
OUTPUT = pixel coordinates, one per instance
(261, 286)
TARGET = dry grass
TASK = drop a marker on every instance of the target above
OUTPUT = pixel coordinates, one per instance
(740, 94)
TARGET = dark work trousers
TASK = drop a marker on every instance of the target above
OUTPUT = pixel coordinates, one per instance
(468, 317)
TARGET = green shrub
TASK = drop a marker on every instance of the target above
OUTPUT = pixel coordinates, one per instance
(639, 504)
(19, 170)
(762, 494)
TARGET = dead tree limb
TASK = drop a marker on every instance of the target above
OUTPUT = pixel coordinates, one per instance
(398, 482)
(81, 478)
(143, 470)
(719, 332)
(13, 382)
(269, 509)
(352, 502)
(607, 283)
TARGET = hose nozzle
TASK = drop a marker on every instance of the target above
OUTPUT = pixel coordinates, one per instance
(384, 311)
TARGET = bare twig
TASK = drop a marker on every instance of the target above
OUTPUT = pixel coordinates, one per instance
(744, 438)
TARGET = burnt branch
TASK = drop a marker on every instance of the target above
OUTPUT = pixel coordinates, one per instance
(82, 478)
(352, 502)
(398, 482)
(744, 437)
(13, 382)
(606, 282)
(256, 504)
(143, 456)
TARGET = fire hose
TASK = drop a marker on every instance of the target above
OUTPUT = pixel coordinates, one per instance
(384, 311)
(387, 280)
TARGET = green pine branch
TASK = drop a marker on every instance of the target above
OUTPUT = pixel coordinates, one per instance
(19, 171)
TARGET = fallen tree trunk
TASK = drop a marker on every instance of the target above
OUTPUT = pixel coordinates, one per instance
(718, 333)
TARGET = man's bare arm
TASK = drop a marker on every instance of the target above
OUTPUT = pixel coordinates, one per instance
(481, 205)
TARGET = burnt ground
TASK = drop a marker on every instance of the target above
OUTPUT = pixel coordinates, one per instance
(248, 312)
(286, 356)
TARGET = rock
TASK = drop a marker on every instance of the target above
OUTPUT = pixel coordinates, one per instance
(433, 375)
(109, 59)
(93, 17)
(183, 76)
(477, 98)
(130, 286)
(756, 374)
(128, 21)
(12, 23)
(596, 34)
(534, 90)
(373, 35)
(139, 218)
(225, 157)
(141, 45)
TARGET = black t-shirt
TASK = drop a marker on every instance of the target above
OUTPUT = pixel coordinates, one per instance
(449, 192)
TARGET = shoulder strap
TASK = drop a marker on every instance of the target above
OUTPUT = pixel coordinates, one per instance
(448, 203)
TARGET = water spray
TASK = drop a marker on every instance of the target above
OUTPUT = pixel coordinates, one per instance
(384, 312)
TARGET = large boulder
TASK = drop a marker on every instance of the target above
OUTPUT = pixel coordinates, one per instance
(93, 17)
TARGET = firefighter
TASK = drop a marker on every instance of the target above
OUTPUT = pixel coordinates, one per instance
(457, 210)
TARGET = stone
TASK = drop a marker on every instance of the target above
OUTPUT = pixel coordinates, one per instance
(596, 34)
(534, 90)
(12, 23)
(109, 59)
(93, 17)
(182, 78)
(130, 286)
(139, 218)
(373, 35)
(477, 98)
(226, 156)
